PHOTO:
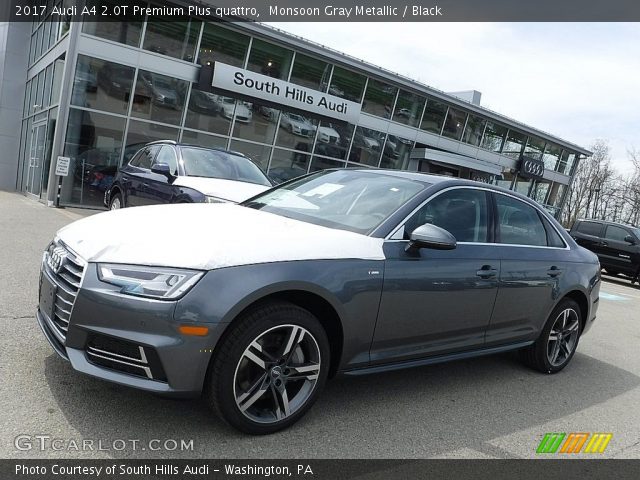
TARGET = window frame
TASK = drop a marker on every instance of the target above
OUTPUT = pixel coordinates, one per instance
(151, 153)
(600, 233)
(488, 213)
(175, 156)
(397, 232)
(606, 229)
(498, 233)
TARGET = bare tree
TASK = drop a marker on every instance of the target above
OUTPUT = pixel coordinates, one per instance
(592, 184)
(631, 191)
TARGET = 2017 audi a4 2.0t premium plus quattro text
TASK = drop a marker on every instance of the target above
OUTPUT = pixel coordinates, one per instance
(341, 271)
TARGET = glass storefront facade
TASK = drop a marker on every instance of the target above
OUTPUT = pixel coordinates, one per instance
(113, 108)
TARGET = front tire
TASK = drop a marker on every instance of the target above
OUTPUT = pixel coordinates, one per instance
(558, 341)
(116, 202)
(269, 369)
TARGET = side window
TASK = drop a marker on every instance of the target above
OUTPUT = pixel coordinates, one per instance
(615, 233)
(519, 223)
(168, 155)
(590, 228)
(144, 157)
(460, 211)
(135, 161)
(553, 237)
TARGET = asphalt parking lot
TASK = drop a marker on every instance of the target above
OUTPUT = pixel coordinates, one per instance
(486, 407)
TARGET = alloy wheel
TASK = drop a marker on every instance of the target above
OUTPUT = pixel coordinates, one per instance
(277, 373)
(115, 204)
(563, 337)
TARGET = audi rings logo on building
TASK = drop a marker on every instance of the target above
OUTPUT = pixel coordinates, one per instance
(532, 167)
(56, 259)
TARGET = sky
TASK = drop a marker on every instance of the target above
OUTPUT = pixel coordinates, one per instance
(577, 81)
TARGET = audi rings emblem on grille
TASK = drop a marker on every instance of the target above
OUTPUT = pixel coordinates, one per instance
(56, 259)
(533, 168)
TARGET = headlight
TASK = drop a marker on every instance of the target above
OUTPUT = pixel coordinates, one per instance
(209, 199)
(153, 282)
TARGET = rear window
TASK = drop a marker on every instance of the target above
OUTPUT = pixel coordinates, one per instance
(589, 228)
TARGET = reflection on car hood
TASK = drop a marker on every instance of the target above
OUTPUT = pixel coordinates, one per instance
(241, 110)
(165, 92)
(329, 131)
(208, 236)
(232, 190)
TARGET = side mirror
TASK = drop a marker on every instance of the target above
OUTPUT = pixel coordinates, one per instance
(162, 169)
(431, 236)
(630, 239)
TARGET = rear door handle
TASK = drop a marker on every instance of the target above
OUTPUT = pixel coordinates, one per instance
(554, 272)
(487, 271)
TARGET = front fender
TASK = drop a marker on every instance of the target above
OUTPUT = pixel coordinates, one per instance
(352, 287)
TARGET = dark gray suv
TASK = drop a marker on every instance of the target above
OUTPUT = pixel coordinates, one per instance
(342, 271)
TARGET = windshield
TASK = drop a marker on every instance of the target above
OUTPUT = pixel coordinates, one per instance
(344, 199)
(202, 162)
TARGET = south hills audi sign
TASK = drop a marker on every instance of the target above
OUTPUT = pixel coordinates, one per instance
(251, 84)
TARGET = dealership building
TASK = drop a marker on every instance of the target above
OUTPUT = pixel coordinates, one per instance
(95, 92)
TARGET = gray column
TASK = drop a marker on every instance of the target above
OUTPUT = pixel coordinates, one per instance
(13, 75)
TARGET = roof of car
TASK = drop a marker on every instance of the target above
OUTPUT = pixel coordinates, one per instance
(181, 144)
(437, 179)
(447, 180)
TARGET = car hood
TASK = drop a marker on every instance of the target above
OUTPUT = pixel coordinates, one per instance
(165, 92)
(242, 110)
(329, 131)
(299, 124)
(231, 190)
(209, 236)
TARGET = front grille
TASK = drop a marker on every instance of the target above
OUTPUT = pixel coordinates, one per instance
(124, 356)
(65, 269)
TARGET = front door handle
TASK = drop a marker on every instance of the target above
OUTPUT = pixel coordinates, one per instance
(554, 271)
(604, 244)
(487, 271)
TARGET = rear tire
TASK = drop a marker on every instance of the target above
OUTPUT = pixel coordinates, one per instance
(269, 369)
(558, 341)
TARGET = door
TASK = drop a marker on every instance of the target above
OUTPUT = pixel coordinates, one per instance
(617, 255)
(588, 234)
(36, 159)
(159, 187)
(438, 301)
(532, 255)
(135, 177)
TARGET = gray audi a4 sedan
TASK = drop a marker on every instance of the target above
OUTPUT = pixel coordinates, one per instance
(342, 271)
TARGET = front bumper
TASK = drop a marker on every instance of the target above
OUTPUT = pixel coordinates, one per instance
(131, 341)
